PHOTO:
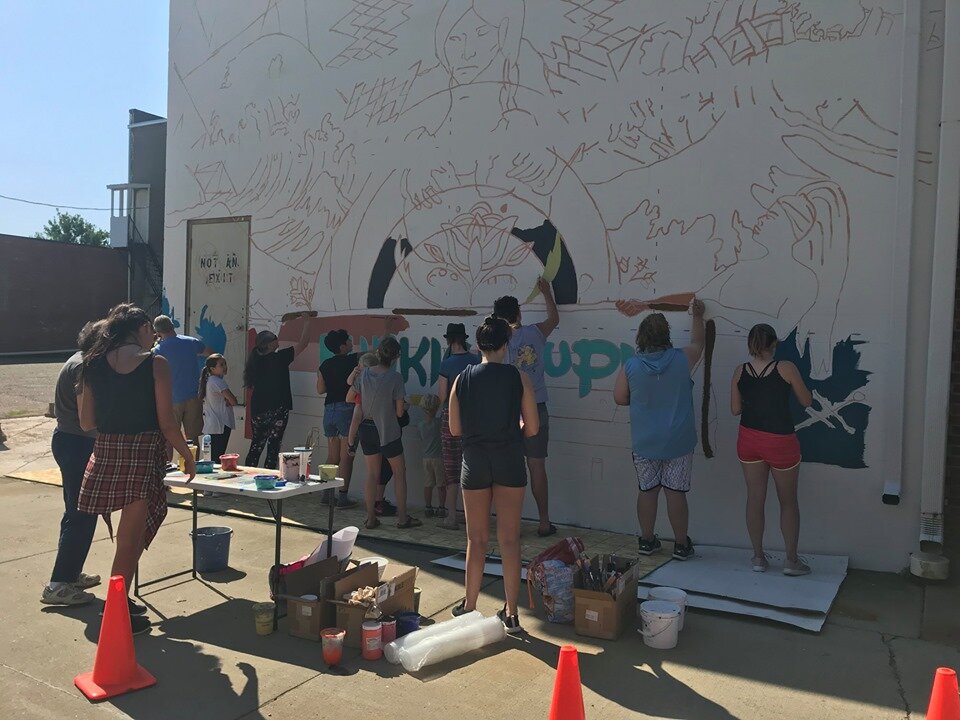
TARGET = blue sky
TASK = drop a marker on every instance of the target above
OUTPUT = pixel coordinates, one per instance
(71, 71)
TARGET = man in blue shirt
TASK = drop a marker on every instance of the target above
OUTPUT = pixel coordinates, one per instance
(181, 352)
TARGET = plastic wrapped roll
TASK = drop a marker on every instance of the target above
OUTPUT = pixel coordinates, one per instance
(451, 644)
(392, 649)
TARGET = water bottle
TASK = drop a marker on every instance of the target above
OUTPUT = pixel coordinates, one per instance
(205, 443)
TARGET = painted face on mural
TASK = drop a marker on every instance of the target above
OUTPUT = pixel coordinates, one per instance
(471, 47)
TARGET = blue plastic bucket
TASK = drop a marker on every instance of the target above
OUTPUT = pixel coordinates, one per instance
(212, 548)
(407, 622)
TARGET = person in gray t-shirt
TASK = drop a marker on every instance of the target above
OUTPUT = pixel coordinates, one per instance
(71, 449)
(526, 350)
(382, 400)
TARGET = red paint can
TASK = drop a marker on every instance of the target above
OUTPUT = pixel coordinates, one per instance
(372, 643)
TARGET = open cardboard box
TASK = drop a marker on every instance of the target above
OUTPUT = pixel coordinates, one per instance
(599, 614)
(395, 593)
(306, 618)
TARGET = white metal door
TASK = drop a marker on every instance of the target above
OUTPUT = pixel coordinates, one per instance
(217, 289)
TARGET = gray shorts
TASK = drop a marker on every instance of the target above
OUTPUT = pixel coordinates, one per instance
(536, 446)
(673, 474)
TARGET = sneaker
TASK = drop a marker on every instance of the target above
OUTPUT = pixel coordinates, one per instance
(384, 508)
(133, 608)
(139, 624)
(683, 552)
(429, 511)
(440, 512)
(85, 581)
(460, 609)
(511, 623)
(648, 547)
(345, 501)
(796, 569)
(760, 563)
(66, 594)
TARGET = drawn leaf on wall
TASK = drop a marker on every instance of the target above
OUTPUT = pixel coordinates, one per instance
(435, 253)
(518, 256)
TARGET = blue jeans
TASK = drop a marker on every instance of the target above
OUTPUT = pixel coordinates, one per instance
(76, 528)
(336, 419)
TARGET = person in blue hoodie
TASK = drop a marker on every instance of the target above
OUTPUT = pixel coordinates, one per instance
(657, 386)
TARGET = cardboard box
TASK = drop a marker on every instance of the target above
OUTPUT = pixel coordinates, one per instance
(599, 614)
(306, 618)
(394, 595)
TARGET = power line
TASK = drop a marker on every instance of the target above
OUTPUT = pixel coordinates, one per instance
(53, 205)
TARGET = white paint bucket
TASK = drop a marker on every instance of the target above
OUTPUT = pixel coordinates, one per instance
(669, 594)
(659, 624)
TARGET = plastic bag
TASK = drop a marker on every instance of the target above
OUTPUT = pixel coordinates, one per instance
(557, 589)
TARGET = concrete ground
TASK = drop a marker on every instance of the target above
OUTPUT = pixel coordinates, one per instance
(26, 384)
(874, 659)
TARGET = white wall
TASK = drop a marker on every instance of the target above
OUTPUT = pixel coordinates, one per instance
(737, 150)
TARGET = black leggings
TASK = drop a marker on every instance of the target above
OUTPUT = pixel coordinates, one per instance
(268, 429)
(218, 444)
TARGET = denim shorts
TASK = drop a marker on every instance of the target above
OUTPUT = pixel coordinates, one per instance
(336, 419)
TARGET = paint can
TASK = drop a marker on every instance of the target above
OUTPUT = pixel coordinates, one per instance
(388, 629)
(407, 622)
(673, 595)
(290, 466)
(659, 624)
(372, 643)
(263, 615)
(306, 455)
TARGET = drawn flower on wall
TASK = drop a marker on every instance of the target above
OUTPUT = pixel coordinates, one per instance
(301, 294)
(473, 252)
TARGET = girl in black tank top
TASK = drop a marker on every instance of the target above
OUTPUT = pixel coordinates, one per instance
(767, 443)
(127, 398)
(487, 402)
(765, 397)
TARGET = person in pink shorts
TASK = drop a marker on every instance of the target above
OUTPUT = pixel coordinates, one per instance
(767, 442)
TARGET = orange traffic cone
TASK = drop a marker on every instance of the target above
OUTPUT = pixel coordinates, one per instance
(945, 698)
(567, 694)
(115, 669)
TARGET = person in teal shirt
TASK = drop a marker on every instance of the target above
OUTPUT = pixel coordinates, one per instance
(656, 385)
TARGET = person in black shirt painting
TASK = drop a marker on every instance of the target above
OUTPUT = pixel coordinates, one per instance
(337, 412)
(487, 403)
(268, 374)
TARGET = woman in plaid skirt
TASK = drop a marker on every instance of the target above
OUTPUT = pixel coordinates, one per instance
(128, 398)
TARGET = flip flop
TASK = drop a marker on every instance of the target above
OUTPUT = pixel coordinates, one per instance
(548, 533)
(411, 522)
(372, 525)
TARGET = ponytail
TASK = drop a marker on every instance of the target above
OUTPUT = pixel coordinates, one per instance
(208, 367)
(493, 334)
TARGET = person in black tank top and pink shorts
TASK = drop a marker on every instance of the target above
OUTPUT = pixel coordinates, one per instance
(767, 442)
(486, 406)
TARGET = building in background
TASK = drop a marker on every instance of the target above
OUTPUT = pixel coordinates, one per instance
(395, 166)
(49, 290)
(137, 209)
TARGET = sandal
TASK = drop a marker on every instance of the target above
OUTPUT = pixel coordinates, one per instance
(551, 531)
(411, 522)
(372, 524)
